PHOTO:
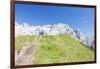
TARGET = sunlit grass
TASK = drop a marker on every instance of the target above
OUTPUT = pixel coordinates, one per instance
(57, 49)
(20, 40)
(60, 49)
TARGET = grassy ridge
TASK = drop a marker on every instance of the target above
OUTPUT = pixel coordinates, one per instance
(59, 49)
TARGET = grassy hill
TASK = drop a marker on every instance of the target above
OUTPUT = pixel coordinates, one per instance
(56, 49)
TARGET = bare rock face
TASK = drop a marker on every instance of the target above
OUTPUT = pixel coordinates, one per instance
(92, 43)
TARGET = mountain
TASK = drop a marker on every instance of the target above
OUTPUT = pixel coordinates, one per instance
(55, 29)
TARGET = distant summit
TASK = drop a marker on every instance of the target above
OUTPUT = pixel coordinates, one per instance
(55, 29)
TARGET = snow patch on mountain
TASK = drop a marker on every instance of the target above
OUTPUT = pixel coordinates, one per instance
(55, 29)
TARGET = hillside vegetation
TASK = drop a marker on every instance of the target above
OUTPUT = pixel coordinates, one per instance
(56, 49)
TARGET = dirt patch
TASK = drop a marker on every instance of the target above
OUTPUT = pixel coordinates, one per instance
(27, 53)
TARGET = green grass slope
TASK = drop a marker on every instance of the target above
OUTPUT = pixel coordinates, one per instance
(21, 40)
(60, 49)
(57, 49)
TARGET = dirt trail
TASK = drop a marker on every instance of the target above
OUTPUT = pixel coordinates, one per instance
(26, 55)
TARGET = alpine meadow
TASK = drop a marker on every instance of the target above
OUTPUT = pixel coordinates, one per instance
(53, 34)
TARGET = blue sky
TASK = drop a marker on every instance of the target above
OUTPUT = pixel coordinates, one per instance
(75, 17)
